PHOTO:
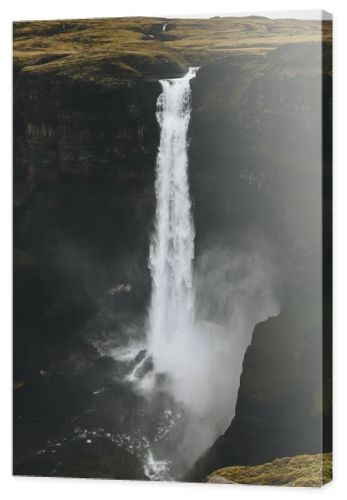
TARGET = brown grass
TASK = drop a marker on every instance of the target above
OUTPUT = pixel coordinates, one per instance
(301, 470)
(77, 48)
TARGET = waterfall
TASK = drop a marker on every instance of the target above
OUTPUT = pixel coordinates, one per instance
(191, 354)
(171, 312)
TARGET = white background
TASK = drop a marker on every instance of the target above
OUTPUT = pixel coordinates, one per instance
(37, 488)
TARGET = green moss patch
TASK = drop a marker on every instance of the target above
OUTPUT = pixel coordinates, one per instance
(301, 470)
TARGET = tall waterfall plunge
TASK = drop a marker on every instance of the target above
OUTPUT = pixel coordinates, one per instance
(196, 332)
(171, 314)
(196, 335)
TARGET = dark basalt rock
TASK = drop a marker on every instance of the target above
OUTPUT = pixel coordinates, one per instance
(249, 114)
(83, 189)
(66, 128)
(279, 410)
(140, 356)
(144, 367)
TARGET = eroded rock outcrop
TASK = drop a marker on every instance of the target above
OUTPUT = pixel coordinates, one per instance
(302, 470)
(284, 396)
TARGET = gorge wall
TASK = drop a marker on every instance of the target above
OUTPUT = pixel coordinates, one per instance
(83, 192)
(280, 411)
(256, 125)
(84, 156)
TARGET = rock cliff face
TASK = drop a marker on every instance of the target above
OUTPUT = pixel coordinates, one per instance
(84, 129)
(279, 409)
(84, 160)
(255, 158)
(256, 125)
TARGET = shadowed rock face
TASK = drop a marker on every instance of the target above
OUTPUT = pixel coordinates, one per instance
(85, 130)
(83, 192)
(255, 158)
(279, 409)
(262, 119)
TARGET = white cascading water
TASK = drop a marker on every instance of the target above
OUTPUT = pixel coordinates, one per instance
(200, 356)
(171, 313)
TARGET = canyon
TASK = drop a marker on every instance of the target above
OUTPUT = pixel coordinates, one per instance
(85, 145)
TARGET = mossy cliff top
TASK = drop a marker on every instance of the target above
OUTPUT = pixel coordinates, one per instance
(301, 470)
(106, 50)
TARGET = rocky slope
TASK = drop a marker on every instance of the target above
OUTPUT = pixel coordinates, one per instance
(302, 470)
